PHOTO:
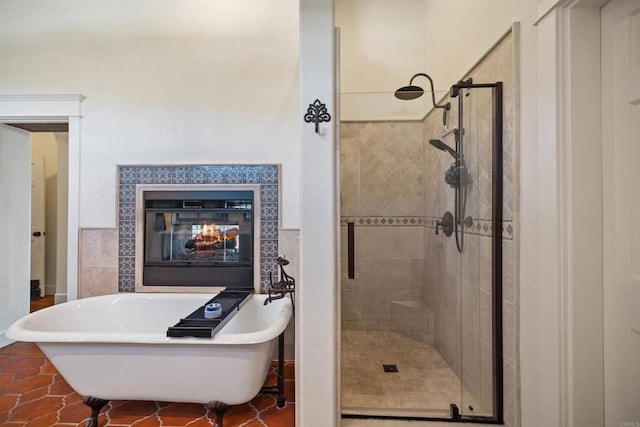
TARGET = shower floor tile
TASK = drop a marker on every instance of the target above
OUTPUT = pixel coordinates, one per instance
(32, 393)
(423, 386)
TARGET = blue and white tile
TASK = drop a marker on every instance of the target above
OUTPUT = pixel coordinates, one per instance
(126, 265)
(198, 175)
(180, 175)
(163, 175)
(127, 229)
(127, 193)
(126, 283)
(252, 174)
(268, 193)
(264, 284)
(145, 175)
(269, 211)
(269, 174)
(234, 175)
(127, 212)
(127, 174)
(127, 247)
(268, 265)
(215, 174)
(268, 248)
(269, 229)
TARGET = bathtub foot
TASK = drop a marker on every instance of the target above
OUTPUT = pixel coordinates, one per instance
(96, 405)
(219, 408)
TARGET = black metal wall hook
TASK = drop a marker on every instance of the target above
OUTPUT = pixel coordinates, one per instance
(317, 113)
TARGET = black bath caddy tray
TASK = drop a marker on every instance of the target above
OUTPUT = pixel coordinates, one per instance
(196, 325)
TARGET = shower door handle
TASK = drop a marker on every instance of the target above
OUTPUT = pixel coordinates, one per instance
(351, 268)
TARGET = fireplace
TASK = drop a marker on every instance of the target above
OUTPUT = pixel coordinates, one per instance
(197, 237)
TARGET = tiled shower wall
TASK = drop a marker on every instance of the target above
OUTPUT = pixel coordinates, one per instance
(381, 191)
(393, 190)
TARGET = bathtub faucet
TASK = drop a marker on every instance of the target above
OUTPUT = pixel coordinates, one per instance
(286, 284)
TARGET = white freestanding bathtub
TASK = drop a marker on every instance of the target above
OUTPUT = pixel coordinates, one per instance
(114, 347)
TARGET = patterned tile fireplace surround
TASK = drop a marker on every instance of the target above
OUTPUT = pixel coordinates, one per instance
(107, 255)
(266, 176)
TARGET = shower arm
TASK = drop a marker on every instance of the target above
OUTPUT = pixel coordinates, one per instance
(446, 106)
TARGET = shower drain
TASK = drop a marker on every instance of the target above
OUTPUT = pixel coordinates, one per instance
(390, 368)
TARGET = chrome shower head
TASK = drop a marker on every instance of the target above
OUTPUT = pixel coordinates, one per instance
(444, 147)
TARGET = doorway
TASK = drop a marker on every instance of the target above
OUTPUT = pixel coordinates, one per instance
(49, 169)
(49, 110)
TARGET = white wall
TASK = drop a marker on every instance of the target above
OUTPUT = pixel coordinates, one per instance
(381, 47)
(384, 43)
(169, 82)
(44, 144)
(381, 43)
(317, 317)
(457, 32)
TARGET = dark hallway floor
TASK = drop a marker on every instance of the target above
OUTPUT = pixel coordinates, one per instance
(46, 301)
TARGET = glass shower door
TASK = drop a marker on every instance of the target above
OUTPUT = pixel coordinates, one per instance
(481, 209)
(420, 289)
(391, 362)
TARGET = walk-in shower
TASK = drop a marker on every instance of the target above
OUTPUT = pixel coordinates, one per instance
(421, 290)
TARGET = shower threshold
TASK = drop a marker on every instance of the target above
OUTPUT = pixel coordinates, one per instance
(354, 412)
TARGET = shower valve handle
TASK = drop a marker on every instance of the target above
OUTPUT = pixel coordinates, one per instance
(446, 224)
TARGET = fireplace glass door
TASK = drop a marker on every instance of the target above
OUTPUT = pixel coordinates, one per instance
(198, 238)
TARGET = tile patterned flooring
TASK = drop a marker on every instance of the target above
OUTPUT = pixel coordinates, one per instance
(33, 394)
(424, 385)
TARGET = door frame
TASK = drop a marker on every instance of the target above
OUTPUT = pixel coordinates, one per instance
(39, 213)
(56, 109)
(565, 335)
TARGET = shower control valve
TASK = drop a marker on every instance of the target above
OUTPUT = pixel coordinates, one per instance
(446, 224)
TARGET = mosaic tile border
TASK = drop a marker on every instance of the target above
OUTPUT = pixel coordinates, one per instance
(480, 227)
(267, 176)
(383, 221)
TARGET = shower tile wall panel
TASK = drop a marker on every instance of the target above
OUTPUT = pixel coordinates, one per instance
(382, 199)
(268, 176)
(381, 169)
(388, 268)
(381, 191)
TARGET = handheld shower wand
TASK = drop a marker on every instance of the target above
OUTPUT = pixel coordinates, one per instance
(444, 147)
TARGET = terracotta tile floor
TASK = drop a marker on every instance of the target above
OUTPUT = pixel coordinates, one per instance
(33, 394)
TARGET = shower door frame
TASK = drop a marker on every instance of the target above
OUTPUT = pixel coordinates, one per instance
(496, 255)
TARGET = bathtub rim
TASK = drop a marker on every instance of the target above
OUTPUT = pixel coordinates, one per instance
(18, 332)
